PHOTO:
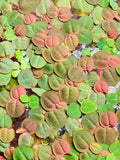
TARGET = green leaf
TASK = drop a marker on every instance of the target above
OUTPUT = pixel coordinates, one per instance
(97, 15)
(6, 65)
(105, 107)
(87, 106)
(9, 48)
(71, 125)
(86, 22)
(115, 148)
(37, 61)
(34, 101)
(24, 98)
(9, 33)
(21, 43)
(112, 98)
(82, 5)
(23, 152)
(38, 91)
(98, 99)
(15, 18)
(4, 79)
(73, 110)
(113, 4)
(104, 3)
(63, 3)
(42, 7)
(26, 79)
(85, 37)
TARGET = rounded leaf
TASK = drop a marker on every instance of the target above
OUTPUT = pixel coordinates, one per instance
(5, 121)
(16, 92)
(87, 106)
(112, 98)
(37, 61)
(52, 40)
(8, 152)
(30, 125)
(7, 135)
(73, 110)
(108, 119)
(46, 53)
(39, 39)
(26, 79)
(55, 82)
(109, 24)
(86, 63)
(109, 14)
(71, 125)
(49, 99)
(105, 107)
(76, 74)
(114, 148)
(64, 14)
(27, 6)
(20, 30)
(25, 139)
(9, 49)
(95, 148)
(15, 108)
(56, 118)
(37, 114)
(114, 61)
(105, 135)
(61, 68)
(71, 41)
(98, 99)
(43, 82)
(44, 152)
(15, 18)
(91, 78)
(72, 26)
(110, 76)
(86, 22)
(29, 18)
(85, 37)
(90, 121)
(58, 53)
(82, 139)
(6, 65)
(112, 33)
(38, 72)
(101, 86)
(52, 11)
(21, 43)
(60, 147)
(69, 94)
(5, 79)
(34, 101)
(23, 152)
(101, 59)
(43, 130)
(4, 96)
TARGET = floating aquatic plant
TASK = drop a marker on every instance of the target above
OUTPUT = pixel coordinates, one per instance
(82, 139)
(60, 147)
(59, 79)
(108, 119)
(30, 125)
(15, 108)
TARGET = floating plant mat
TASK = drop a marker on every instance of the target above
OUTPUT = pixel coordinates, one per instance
(59, 79)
